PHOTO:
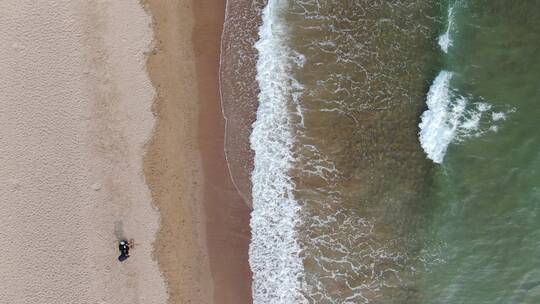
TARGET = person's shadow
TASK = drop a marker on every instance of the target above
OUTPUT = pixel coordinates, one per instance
(119, 230)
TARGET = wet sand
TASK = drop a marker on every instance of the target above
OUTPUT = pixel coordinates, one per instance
(203, 241)
(226, 212)
(239, 87)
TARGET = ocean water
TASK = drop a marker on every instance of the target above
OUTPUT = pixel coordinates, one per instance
(394, 156)
(487, 186)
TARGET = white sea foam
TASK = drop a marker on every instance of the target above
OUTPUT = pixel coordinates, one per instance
(453, 118)
(438, 125)
(496, 116)
(469, 123)
(274, 251)
(445, 41)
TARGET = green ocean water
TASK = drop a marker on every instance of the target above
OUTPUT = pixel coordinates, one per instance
(486, 192)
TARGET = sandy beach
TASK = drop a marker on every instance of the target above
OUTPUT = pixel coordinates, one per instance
(111, 128)
(204, 220)
(75, 117)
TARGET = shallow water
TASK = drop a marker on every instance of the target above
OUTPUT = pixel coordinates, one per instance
(339, 176)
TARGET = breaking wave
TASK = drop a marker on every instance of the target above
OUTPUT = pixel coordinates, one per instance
(439, 123)
(274, 251)
(451, 117)
(445, 40)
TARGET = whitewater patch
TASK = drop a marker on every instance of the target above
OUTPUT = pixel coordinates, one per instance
(274, 253)
(445, 41)
(452, 118)
(438, 123)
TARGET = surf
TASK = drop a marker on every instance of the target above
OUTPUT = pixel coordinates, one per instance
(274, 251)
(451, 117)
(445, 40)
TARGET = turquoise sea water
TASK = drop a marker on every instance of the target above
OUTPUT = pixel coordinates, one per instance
(487, 189)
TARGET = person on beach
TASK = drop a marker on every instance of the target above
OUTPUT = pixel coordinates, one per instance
(124, 247)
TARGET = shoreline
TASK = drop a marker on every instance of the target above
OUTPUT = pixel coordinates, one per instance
(227, 214)
(240, 89)
(202, 244)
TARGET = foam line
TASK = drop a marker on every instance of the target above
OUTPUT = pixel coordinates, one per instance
(274, 251)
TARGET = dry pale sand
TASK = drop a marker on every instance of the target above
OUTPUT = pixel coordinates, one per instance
(75, 114)
(202, 246)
